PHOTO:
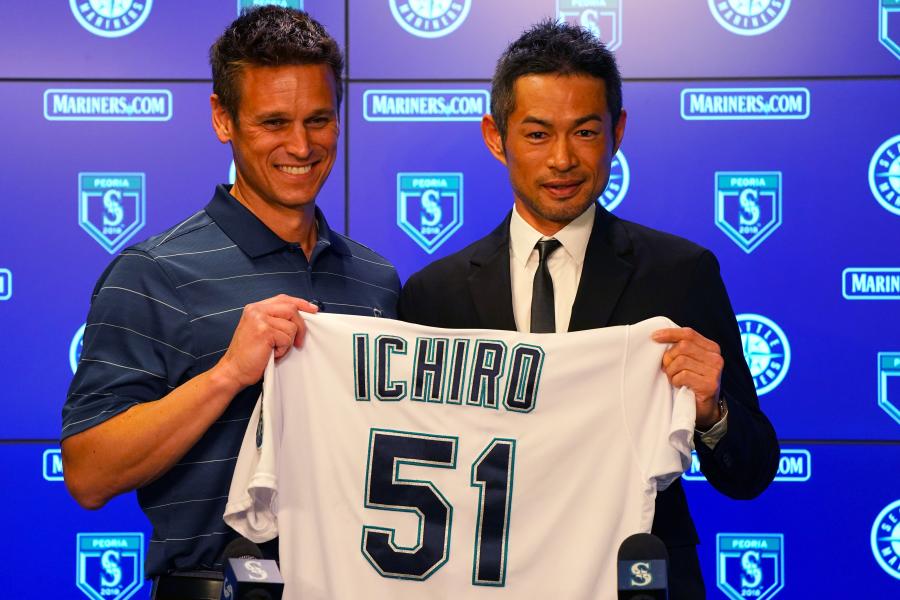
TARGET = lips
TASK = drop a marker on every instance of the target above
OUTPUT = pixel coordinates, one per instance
(563, 188)
(294, 169)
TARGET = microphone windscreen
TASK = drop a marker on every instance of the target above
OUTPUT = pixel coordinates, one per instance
(240, 548)
(643, 546)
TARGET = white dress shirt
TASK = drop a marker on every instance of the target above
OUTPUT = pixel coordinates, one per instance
(565, 266)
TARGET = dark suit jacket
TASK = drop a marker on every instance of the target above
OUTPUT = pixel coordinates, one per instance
(630, 273)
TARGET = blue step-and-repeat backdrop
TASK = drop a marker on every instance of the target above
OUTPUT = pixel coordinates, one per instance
(765, 130)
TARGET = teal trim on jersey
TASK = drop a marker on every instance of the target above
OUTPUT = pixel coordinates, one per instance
(430, 353)
(495, 381)
(366, 369)
(396, 479)
(459, 346)
(388, 383)
(510, 476)
(523, 381)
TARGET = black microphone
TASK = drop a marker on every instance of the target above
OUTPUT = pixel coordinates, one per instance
(643, 568)
(248, 576)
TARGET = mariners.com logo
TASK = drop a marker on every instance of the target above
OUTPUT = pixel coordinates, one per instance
(425, 105)
(107, 105)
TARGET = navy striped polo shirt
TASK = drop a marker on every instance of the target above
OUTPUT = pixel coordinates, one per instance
(165, 310)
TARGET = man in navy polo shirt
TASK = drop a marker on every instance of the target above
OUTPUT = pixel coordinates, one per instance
(181, 326)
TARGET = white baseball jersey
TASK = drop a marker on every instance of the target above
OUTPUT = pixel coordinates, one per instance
(399, 461)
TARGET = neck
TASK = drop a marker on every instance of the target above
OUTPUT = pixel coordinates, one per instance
(545, 227)
(294, 225)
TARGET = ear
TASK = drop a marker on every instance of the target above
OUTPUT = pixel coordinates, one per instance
(619, 133)
(492, 138)
(222, 122)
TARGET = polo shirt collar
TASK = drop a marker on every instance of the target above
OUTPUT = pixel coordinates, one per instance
(251, 235)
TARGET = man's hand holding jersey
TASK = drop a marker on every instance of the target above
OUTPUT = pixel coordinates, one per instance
(696, 362)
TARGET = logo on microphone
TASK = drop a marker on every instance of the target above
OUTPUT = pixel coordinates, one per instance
(429, 207)
(889, 383)
(110, 565)
(111, 19)
(888, 22)
(884, 175)
(749, 18)
(603, 18)
(885, 539)
(766, 350)
(641, 575)
(255, 570)
(748, 206)
(75, 348)
(750, 565)
(111, 207)
(617, 187)
(430, 18)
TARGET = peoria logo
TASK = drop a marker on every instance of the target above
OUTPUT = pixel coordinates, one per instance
(619, 178)
(750, 565)
(75, 348)
(889, 21)
(430, 18)
(889, 383)
(429, 207)
(603, 18)
(749, 17)
(766, 350)
(111, 207)
(885, 539)
(884, 175)
(111, 18)
(110, 564)
(748, 206)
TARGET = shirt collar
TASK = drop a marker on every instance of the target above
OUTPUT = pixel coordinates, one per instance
(251, 235)
(573, 237)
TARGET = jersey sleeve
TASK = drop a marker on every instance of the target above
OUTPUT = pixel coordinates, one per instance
(252, 507)
(137, 344)
(660, 418)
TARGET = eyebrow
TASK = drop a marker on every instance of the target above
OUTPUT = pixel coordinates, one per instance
(578, 121)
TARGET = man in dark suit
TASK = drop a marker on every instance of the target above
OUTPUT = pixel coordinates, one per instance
(560, 262)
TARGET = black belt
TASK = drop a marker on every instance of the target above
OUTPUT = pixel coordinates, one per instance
(195, 585)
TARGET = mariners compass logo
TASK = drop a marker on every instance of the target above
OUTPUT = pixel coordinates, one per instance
(111, 18)
(430, 18)
(884, 175)
(766, 350)
(885, 539)
(749, 17)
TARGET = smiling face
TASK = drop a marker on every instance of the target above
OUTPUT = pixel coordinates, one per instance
(558, 147)
(285, 136)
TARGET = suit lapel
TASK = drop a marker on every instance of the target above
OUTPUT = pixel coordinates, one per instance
(489, 282)
(605, 274)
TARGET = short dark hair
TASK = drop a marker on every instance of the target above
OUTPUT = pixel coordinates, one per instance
(270, 36)
(552, 46)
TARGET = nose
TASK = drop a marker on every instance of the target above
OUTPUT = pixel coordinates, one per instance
(562, 157)
(297, 142)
